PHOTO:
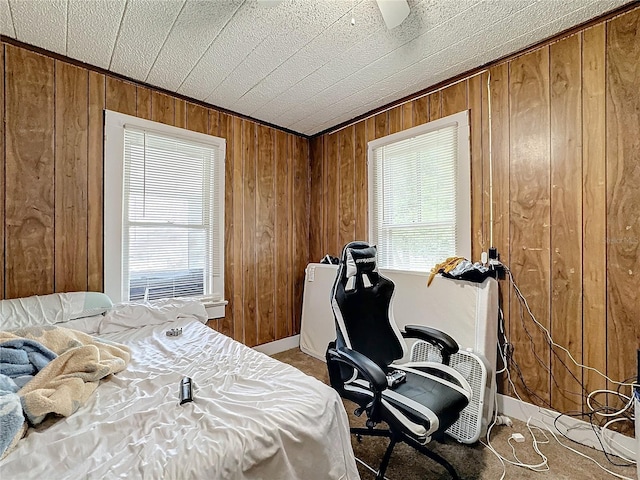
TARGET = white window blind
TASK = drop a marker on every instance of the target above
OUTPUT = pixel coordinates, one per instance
(171, 245)
(419, 200)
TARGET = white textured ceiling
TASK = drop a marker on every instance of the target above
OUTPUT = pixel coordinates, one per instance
(301, 64)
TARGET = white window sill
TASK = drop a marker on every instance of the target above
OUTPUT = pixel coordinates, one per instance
(215, 309)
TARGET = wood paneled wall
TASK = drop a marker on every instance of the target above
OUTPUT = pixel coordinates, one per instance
(51, 191)
(566, 196)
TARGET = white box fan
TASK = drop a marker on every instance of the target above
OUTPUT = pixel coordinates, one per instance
(474, 419)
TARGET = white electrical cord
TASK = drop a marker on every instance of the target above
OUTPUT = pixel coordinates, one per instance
(596, 392)
(543, 466)
(589, 458)
(628, 399)
(605, 427)
(615, 414)
(502, 459)
(542, 327)
(505, 345)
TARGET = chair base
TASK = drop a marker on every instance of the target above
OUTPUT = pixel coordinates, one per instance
(398, 438)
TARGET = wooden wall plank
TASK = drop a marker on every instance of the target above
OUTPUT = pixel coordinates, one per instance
(121, 96)
(316, 219)
(95, 200)
(478, 244)
(623, 195)
(370, 129)
(498, 224)
(249, 154)
(381, 124)
(331, 213)
(395, 119)
(197, 118)
(487, 172)
(346, 186)
(143, 102)
(214, 120)
(325, 190)
(594, 207)
(29, 173)
(454, 98)
(435, 105)
(530, 218)
(301, 224)
(180, 113)
(2, 185)
(566, 218)
(265, 221)
(362, 219)
(163, 108)
(71, 114)
(407, 115)
(292, 209)
(370, 133)
(283, 247)
(421, 110)
(225, 130)
(237, 189)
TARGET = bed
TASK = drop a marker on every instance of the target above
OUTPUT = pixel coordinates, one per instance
(252, 417)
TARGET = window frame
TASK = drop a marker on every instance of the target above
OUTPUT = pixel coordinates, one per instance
(114, 208)
(463, 180)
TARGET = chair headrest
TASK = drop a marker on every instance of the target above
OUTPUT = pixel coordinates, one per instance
(360, 265)
(360, 260)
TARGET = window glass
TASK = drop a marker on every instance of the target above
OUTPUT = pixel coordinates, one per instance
(170, 211)
(419, 195)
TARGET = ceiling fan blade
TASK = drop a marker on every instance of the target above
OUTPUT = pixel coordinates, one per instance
(393, 12)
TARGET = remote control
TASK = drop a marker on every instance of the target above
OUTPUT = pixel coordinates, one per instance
(186, 392)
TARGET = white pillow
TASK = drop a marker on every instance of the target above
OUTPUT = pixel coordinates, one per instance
(95, 303)
(51, 309)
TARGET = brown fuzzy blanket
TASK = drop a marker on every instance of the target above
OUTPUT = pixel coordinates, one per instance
(68, 380)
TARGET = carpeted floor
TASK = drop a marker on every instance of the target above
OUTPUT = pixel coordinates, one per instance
(471, 462)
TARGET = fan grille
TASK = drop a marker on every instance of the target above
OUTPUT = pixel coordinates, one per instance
(468, 427)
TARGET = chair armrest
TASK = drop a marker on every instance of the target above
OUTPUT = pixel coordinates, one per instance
(447, 345)
(364, 365)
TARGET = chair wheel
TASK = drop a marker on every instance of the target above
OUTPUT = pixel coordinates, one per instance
(359, 438)
(371, 423)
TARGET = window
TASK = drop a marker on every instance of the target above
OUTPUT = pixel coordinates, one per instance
(419, 194)
(164, 211)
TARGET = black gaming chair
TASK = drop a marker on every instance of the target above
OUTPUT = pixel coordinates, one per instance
(417, 400)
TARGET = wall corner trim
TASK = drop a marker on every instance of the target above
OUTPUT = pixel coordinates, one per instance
(278, 346)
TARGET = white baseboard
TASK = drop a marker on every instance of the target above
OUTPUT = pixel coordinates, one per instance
(576, 429)
(278, 346)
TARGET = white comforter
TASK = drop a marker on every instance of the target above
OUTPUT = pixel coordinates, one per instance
(253, 418)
